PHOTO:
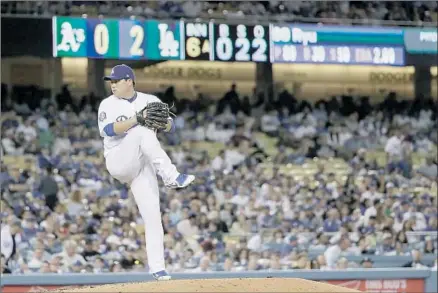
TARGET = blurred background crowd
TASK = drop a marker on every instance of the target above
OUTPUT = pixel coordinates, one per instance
(336, 12)
(282, 183)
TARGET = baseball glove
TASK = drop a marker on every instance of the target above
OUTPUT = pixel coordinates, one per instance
(154, 116)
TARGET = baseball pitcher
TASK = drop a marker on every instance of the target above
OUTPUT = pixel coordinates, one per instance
(128, 121)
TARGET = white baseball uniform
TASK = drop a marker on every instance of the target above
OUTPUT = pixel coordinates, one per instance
(135, 158)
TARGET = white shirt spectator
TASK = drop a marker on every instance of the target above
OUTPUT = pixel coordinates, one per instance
(219, 195)
(218, 164)
(371, 195)
(71, 260)
(187, 229)
(304, 130)
(226, 117)
(22, 108)
(216, 134)
(420, 220)
(178, 156)
(393, 146)
(197, 134)
(7, 241)
(37, 259)
(9, 147)
(401, 119)
(270, 122)
(255, 243)
(61, 145)
(332, 254)
(74, 208)
(370, 212)
(28, 131)
(232, 158)
(424, 145)
(240, 200)
(344, 136)
(42, 123)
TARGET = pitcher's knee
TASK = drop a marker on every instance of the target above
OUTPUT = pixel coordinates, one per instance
(123, 172)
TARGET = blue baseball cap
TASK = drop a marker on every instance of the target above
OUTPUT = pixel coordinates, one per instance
(121, 72)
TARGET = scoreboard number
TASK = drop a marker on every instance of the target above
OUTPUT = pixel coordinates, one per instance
(197, 40)
(137, 33)
(259, 43)
(101, 39)
(194, 48)
(242, 43)
(224, 46)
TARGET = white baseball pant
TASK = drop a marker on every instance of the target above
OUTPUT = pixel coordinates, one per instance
(136, 161)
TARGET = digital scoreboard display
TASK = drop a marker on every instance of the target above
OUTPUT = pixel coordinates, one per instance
(293, 43)
(116, 39)
(128, 39)
(241, 42)
(360, 55)
(197, 41)
(421, 40)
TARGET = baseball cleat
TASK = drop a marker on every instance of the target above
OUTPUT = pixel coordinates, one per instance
(161, 276)
(183, 180)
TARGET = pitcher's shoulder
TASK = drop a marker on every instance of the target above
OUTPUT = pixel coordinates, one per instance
(108, 100)
(148, 97)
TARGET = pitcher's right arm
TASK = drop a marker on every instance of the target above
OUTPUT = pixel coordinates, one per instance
(107, 124)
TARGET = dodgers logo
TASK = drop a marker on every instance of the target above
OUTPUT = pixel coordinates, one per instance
(121, 118)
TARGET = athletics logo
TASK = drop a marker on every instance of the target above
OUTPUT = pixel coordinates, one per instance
(72, 39)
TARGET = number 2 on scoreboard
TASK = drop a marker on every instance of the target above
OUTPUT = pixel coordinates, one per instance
(137, 33)
(258, 44)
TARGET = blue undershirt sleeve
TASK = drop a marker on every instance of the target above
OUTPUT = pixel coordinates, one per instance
(109, 129)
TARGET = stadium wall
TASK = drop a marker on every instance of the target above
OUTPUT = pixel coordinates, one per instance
(371, 280)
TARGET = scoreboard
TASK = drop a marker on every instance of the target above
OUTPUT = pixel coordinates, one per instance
(159, 40)
(241, 43)
(293, 43)
(116, 39)
(128, 39)
(197, 41)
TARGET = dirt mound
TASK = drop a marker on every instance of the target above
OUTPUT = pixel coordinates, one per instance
(217, 285)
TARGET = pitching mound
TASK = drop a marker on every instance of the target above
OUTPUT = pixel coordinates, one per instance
(218, 285)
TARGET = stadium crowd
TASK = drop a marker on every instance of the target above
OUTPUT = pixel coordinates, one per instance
(365, 12)
(255, 206)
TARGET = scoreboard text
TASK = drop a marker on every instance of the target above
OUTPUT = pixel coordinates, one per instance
(128, 39)
(295, 43)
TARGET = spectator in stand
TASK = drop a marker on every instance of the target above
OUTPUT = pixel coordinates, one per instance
(416, 262)
(4, 268)
(49, 188)
(335, 252)
(240, 191)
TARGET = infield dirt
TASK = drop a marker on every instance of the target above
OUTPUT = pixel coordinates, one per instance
(217, 285)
